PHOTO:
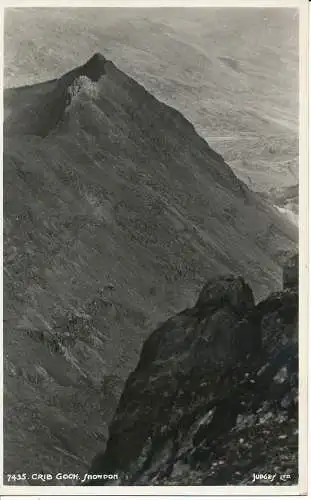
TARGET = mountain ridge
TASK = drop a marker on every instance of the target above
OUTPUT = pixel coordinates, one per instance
(58, 97)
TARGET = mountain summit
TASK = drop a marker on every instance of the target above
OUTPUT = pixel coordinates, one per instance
(94, 68)
(106, 185)
(35, 116)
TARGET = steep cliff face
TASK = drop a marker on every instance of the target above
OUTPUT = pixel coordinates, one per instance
(214, 397)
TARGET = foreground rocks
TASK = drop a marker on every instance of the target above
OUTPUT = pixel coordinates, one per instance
(214, 397)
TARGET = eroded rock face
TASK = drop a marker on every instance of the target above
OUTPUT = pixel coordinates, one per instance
(214, 397)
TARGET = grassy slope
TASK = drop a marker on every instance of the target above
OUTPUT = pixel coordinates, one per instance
(123, 212)
(236, 79)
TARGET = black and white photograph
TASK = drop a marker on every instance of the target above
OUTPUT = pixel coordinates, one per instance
(152, 175)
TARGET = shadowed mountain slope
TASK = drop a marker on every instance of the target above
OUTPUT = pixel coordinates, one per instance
(116, 213)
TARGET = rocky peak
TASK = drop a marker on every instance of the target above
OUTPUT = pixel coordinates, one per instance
(214, 396)
(94, 68)
(228, 290)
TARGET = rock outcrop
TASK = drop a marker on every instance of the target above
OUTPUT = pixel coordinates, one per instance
(214, 397)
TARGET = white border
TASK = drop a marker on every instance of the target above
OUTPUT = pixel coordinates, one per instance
(195, 491)
(301, 4)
